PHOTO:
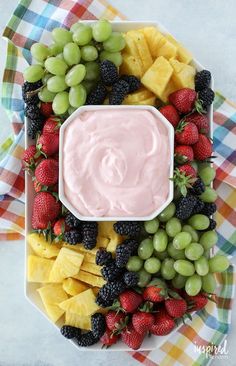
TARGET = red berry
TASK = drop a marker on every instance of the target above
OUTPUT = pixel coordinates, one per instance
(46, 109)
(30, 157)
(197, 302)
(201, 121)
(132, 338)
(109, 338)
(115, 320)
(186, 133)
(183, 154)
(163, 325)
(52, 125)
(130, 300)
(183, 100)
(48, 144)
(171, 114)
(154, 294)
(187, 170)
(37, 186)
(142, 321)
(176, 307)
(47, 172)
(45, 210)
(202, 148)
(60, 227)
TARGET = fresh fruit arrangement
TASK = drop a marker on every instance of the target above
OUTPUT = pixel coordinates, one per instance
(124, 280)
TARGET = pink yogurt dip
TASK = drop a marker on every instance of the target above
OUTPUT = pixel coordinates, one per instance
(116, 163)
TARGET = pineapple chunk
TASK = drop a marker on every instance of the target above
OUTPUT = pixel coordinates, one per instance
(157, 76)
(183, 55)
(39, 269)
(131, 65)
(67, 264)
(170, 88)
(149, 101)
(167, 50)
(139, 95)
(90, 279)
(130, 46)
(96, 290)
(91, 268)
(80, 249)
(105, 230)
(51, 295)
(102, 242)
(82, 304)
(74, 320)
(183, 75)
(154, 38)
(142, 47)
(73, 287)
(42, 247)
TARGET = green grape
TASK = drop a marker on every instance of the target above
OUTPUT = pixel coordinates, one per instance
(144, 278)
(71, 110)
(45, 95)
(218, 263)
(145, 249)
(184, 267)
(160, 240)
(60, 103)
(209, 195)
(175, 253)
(173, 227)
(206, 173)
(71, 54)
(46, 77)
(102, 30)
(201, 266)
(193, 285)
(167, 213)
(77, 96)
(199, 222)
(134, 264)
(33, 73)
(92, 70)
(208, 239)
(114, 43)
(75, 75)
(167, 269)
(179, 281)
(207, 253)
(161, 255)
(56, 66)
(151, 226)
(152, 265)
(194, 234)
(194, 251)
(56, 84)
(61, 36)
(114, 57)
(89, 53)
(75, 26)
(182, 240)
(89, 85)
(82, 35)
(209, 283)
(39, 51)
(60, 56)
(55, 49)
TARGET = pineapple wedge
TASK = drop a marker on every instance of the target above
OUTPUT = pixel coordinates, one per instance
(140, 95)
(80, 249)
(154, 38)
(42, 247)
(91, 268)
(51, 295)
(90, 279)
(131, 65)
(183, 75)
(157, 76)
(39, 269)
(82, 304)
(149, 101)
(73, 287)
(142, 47)
(67, 264)
(167, 50)
(170, 88)
(130, 46)
(74, 320)
(183, 55)
(105, 230)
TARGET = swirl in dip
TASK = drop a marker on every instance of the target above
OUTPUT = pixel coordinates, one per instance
(116, 162)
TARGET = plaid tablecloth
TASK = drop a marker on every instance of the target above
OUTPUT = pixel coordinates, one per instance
(32, 21)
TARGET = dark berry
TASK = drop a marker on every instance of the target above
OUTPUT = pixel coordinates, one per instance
(70, 332)
(30, 87)
(212, 225)
(133, 81)
(118, 92)
(198, 206)
(110, 272)
(87, 339)
(89, 232)
(206, 96)
(124, 251)
(98, 324)
(184, 207)
(97, 95)
(109, 72)
(202, 80)
(34, 127)
(110, 291)
(198, 187)
(130, 228)
(131, 279)
(73, 237)
(103, 257)
(32, 111)
(72, 221)
(209, 209)
(103, 303)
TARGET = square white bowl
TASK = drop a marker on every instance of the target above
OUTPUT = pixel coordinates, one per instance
(30, 288)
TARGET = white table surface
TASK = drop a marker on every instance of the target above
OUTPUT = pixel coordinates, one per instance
(207, 28)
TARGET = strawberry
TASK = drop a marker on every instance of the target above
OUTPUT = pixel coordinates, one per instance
(130, 300)
(142, 321)
(30, 157)
(184, 177)
(187, 170)
(37, 186)
(154, 293)
(45, 210)
(52, 125)
(60, 227)
(176, 307)
(171, 114)
(200, 120)
(196, 302)
(132, 338)
(183, 154)
(109, 338)
(203, 148)
(48, 144)
(183, 100)
(186, 133)
(46, 109)
(115, 320)
(46, 172)
(163, 325)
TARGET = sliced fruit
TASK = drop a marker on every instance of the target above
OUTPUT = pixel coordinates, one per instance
(105, 230)
(73, 287)
(82, 304)
(80, 248)
(67, 264)
(42, 247)
(131, 66)
(167, 50)
(91, 268)
(142, 47)
(170, 88)
(82, 322)
(183, 55)
(139, 95)
(90, 279)
(154, 38)
(183, 75)
(130, 46)
(39, 269)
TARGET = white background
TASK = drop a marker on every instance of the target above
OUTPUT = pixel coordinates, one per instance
(208, 29)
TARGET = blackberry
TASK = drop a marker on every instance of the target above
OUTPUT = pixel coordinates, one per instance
(87, 339)
(97, 95)
(29, 87)
(198, 206)
(110, 272)
(98, 324)
(209, 209)
(32, 111)
(70, 332)
(130, 228)
(34, 126)
(118, 93)
(109, 72)
(198, 187)
(103, 303)
(90, 232)
(124, 251)
(212, 225)
(184, 207)
(72, 221)
(206, 96)
(202, 80)
(131, 279)
(73, 237)
(111, 290)
(103, 257)
(133, 81)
